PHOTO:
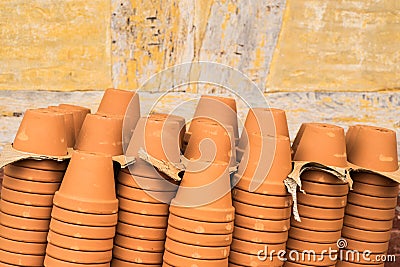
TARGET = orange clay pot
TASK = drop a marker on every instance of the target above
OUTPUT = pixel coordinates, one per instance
(244, 259)
(205, 194)
(76, 256)
(292, 264)
(318, 261)
(200, 227)
(50, 261)
(373, 179)
(22, 247)
(226, 115)
(26, 198)
(79, 113)
(69, 124)
(136, 256)
(253, 248)
(96, 190)
(262, 224)
(367, 224)
(372, 202)
(144, 196)
(198, 252)
(101, 134)
(141, 232)
(144, 208)
(313, 236)
(30, 186)
(44, 165)
(373, 148)
(261, 200)
(181, 122)
(24, 223)
(23, 235)
(48, 139)
(316, 225)
(369, 213)
(259, 236)
(320, 213)
(322, 201)
(79, 244)
(199, 239)
(116, 102)
(363, 235)
(121, 263)
(325, 189)
(374, 247)
(376, 190)
(173, 259)
(145, 183)
(82, 231)
(143, 220)
(139, 244)
(15, 259)
(350, 264)
(322, 143)
(33, 174)
(321, 178)
(262, 212)
(81, 218)
(25, 211)
(298, 245)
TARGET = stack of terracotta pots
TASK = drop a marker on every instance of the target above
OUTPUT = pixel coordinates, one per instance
(29, 187)
(263, 206)
(145, 194)
(84, 213)
(371, 203)
(321, 206)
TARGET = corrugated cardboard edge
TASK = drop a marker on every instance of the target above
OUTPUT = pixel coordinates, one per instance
(395, 176)
(10, 155)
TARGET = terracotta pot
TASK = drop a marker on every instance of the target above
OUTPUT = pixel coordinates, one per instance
(292, 264)
(181, 121)
(82, 231)
(372, 202)
(261, 199)
(116, 102)
(24, 223)
(141, 232)
(369, 213)
(298, 245)
(253, 248)
(23, 235)
(69, 124)
(350, 264)
(373, 179)
(373, 148)
(121, 263)
(198, 252)
(262, 212)
(376, 190)
(136, 256)
(325, 189)
(180, 261)
(244, 259)
(226, 115)
(79, 244)
(319, 260)
(26, 198)
(25, 211)
(22, 247)
(200, 227)
(245, 183)
(318, 225)
(262, 224)
(143, 195)
(21, 259)
(139, 244)
(33, 174)
(145, 208)
(364, 235)
(322, 201)
(143, 220)
(199, 239)
(367, 224)
(314, 236)
(320, 213)
(81, 218)
(321, 143)
(374, 247)
(44, 165)
(32, 187)
(76, 256)
(321, 178)
(145, 183)
(48, 139)
(96, 191)
(101, 134)
(259, 236)
(79, 114)
(50, 261)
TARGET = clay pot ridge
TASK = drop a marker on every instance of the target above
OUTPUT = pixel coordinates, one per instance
(44, 165)
(198, 239)
(42, 132)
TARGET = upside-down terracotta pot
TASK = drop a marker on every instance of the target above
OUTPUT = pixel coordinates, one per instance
(322, 201)
(116, 102)
(50, 261)
(199, 252)
(181, 121)
(367, 224)
(77, 256)
(69, 124)
(29, 186)
(262, 212)
(173, 259)
(245, 259)
(81, 218)
(15, 259)
(144, 220)
(44, 165)
(78, 243)
(318, 225)
(198, 239)
(24, 223)
(146, 183)
(25, 211)
(261, 200)
(365, 235)
(23, 235)
(139, 244)
(82, 231)
(259, 236)
(135, 231)
(24, 198)
(79, 114)
(373, 202)
(263, 225)
(32, 174)
(313, 236)
(137, 256)
(48, 139)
